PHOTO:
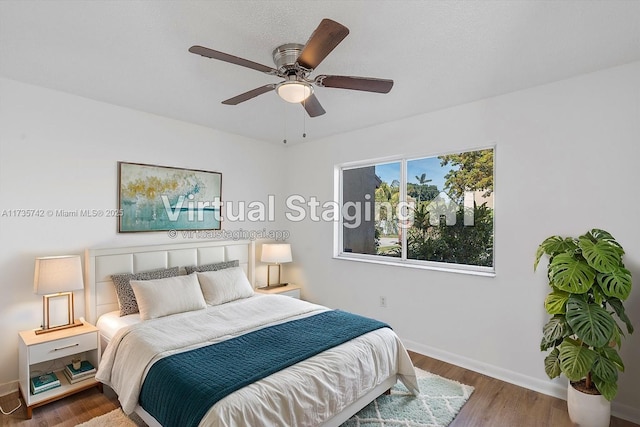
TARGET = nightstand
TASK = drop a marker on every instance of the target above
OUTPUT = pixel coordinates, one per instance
(51, 352)
(290, 290)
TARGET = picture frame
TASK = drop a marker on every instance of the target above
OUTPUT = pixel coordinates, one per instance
(163, 198)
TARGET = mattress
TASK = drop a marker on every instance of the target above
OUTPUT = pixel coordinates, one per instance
(308, 393)
(110, 323)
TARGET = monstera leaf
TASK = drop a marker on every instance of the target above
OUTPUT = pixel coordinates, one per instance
(612, 355)
(590, 322)
(607, 389)
(555, 329)
(601, 255)
(596, 235)
(554, 245)
(616, 283)
(556, 301)
(617, 306)
(605, 369)
(568, 274)
(575, 360)
(552, 364)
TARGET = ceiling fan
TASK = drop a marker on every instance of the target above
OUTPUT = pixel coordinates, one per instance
(295, 62)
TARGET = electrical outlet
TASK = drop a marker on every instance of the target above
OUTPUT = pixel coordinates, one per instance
(383, 301)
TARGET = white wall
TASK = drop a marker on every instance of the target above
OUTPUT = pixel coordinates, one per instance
(566, 161)
(59, 151)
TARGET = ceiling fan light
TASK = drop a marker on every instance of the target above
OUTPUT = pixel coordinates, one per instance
(294, 92)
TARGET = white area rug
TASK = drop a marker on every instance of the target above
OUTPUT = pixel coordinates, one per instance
(439, 402)
(115, 418)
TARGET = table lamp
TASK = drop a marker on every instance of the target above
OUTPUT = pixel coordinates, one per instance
(55, 279)
(276, 254)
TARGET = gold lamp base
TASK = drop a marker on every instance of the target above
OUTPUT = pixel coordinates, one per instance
(277, 285)
(59, 328)
(46, 299)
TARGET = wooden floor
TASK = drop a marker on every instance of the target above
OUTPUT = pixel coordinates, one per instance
(496, 403)
(493, 403)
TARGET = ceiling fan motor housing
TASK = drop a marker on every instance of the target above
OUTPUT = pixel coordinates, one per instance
(286, 56)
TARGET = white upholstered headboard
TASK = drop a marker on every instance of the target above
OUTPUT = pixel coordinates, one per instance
(100, 264)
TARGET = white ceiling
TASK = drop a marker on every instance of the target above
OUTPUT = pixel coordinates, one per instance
(439, 53)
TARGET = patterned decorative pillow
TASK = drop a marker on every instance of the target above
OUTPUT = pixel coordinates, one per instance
(212, 267)
(126, 298)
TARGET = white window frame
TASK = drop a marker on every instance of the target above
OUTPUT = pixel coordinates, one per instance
(403, 261)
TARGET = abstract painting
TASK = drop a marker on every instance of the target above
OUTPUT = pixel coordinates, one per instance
(161, 198)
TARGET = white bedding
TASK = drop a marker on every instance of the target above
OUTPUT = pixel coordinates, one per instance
(110, 323)
(305, 394)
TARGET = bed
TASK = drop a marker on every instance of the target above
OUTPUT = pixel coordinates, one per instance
(324, 388)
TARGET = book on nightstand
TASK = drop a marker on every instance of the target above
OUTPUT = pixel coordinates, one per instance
(44, 382)
(85, 371)
(77, 379)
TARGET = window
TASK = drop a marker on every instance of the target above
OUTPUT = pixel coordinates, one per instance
(430, 212)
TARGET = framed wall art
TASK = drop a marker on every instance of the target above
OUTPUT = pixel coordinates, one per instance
(162, 198)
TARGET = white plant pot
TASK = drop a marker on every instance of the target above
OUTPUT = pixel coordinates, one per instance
(588, 410)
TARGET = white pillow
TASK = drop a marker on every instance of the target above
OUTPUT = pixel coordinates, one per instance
(162, 297)
(225, 285)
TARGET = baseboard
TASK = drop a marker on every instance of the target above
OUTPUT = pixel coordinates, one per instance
(625, 412)
(549, 388)
(8, 388)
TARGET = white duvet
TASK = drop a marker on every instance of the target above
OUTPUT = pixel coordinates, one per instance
(306, 394)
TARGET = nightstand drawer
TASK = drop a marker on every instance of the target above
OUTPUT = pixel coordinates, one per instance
(62, 347)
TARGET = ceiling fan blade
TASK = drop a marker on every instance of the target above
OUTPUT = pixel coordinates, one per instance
(367, 84)
(323, 40)
(250, 94)
(313, 107)
(221, 56)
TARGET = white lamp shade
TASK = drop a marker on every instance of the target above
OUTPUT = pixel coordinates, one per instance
(276, 253)
(57, 274)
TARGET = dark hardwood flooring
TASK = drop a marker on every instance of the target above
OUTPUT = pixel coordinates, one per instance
(494, 403)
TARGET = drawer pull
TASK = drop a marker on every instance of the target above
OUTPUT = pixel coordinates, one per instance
(66, 346)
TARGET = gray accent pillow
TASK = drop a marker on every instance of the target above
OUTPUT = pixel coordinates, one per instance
(126, 298)
(212, 267)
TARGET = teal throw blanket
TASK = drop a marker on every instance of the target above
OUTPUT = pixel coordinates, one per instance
(179, 389)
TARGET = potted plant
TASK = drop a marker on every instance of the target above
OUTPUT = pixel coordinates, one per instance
(588, 286)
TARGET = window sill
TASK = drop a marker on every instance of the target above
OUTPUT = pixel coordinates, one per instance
(421, 265)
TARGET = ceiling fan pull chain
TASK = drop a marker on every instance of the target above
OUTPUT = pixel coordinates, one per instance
(284, 115)
(304, 119)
